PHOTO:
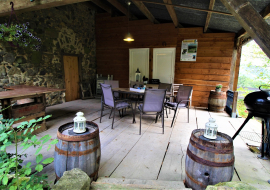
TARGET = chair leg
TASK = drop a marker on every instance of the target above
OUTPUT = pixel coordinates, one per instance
(140, 123)
(173, 117)
(156, 117)
(162, 121)
(101, 111)
(119, 113)
(167, 112)
(176, 115)
(188, 114)
(113, 116)
(110, 113)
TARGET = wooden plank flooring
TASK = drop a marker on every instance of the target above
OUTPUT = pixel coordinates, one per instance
(153, 155)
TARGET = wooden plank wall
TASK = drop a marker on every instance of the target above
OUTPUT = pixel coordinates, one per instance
(211, 67)
(113, 53)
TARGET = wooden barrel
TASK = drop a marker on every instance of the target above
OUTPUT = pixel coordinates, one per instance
(217, 101)
(208, 162)
(77, 150)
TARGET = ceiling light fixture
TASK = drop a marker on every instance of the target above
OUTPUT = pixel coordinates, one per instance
(128, 37)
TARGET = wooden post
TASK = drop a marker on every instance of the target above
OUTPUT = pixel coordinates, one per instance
(237, 67)
(251, 21)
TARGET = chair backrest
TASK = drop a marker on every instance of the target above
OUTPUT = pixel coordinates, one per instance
(138, 84)
(184, 93)
(153, 100)
(113, 83)
(107, 94)
(166, 86)
(175, 88)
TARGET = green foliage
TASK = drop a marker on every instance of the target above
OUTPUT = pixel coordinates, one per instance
(19, 35)
(219, 86)
(10, 163)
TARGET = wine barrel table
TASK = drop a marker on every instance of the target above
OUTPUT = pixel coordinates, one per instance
(217, 101)
(77, 150)
(208, 162)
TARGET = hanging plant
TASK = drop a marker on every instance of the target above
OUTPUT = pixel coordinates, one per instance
(19, 35)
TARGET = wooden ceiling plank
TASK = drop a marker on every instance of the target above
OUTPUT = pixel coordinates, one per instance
(121, 8)
(26, 5)
(171, 11)
(211, 7)
(251, 21)
(145, 11)
(185, 7)
(103, 6)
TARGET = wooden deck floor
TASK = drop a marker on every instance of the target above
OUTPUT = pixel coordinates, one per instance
(153, 155)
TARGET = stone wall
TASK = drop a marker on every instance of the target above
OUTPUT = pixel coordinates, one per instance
(63, 30)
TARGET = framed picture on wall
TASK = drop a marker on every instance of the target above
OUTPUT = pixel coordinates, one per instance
(189, 50)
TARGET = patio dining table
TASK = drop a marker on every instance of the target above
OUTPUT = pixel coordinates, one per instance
(130, 92)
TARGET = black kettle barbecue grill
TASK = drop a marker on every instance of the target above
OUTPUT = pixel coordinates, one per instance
(258, 105)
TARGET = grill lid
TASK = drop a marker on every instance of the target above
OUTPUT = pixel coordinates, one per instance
(259, 101)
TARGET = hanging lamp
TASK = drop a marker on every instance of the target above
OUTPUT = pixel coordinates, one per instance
(128, 37)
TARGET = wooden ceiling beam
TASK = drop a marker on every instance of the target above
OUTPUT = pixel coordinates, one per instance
(208, 17)
(145, 11)
(172, 13)
(251, 21)
(185, 7)
(121, 8)
(103, 6)
(265, 13)
(26, 5)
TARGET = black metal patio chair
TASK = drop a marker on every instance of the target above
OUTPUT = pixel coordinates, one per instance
(153, 102)
(114, 84)
(182, 100)
(108, 101)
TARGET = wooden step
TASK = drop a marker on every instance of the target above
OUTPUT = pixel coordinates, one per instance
(121, 183)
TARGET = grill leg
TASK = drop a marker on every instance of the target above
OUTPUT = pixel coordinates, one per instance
(245, 122)
(262, 148)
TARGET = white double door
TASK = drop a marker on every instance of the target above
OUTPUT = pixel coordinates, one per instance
(163, 63)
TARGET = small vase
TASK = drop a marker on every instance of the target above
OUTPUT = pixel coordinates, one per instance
(218, 89)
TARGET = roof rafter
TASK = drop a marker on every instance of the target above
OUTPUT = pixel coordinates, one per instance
(103, 6)
(121, 8)
(26, 5)
(252, 21)
(211, 7)
(145, 11)
(171, 11)
(265, 13)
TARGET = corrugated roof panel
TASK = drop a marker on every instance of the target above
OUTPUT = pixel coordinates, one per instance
(224, 22)
(133, 9)
(191, 17)
(160, 12)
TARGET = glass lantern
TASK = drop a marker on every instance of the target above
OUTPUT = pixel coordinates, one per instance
(210, 131)
(79, 123)
(138, 75)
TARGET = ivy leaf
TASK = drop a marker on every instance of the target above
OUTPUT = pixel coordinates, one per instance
(47, 116)
(3, 136)
(55, 141)
(28, 171)
(13, 188)
(39, 119)
(39, 168)
(5, 180)
(38, 150)
(28, 165)
(33, 138)
(48, 161)
(45, 139)
(39, 158)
